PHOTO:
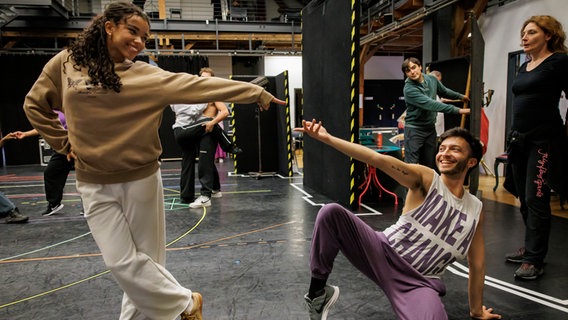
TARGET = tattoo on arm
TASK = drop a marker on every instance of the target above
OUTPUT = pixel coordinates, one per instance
(400, 170)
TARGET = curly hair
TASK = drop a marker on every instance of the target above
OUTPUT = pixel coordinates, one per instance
(89, 49)
(551, 27)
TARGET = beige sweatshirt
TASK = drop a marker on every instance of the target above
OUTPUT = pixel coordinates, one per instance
(115, 135)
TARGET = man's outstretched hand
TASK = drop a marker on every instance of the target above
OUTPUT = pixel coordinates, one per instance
(314, 129)
(487, 313)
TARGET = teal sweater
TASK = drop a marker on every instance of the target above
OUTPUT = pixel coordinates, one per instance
(421, 103)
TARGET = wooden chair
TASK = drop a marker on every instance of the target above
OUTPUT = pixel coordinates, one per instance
(502, 158)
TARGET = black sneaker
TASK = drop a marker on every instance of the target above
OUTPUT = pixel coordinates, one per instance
(318, 307)
(528, 271)
(517, 256)
(15, 216)
(52, 209)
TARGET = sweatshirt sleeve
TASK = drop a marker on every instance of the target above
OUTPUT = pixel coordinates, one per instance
(40, 102)
(184, 88)
(413, 96)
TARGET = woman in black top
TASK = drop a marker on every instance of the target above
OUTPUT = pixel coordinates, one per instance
(537, 135)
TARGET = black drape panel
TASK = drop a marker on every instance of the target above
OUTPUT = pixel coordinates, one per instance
(283, 126)
(257, 156)
(330, 76)
(189, 64)
(19, 73)
(454, 76)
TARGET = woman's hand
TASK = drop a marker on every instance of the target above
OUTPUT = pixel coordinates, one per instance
(274, 100)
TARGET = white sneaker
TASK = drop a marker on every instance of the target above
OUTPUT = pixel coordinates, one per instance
(216, 194)
(51, 210)
(201, 201)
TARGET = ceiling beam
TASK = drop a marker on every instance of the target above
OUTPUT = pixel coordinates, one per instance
(415, 17)
(190, 36)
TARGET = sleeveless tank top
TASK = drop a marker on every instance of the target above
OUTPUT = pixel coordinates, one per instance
(437, 232)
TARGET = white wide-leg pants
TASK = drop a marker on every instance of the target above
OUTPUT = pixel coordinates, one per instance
(127, 221)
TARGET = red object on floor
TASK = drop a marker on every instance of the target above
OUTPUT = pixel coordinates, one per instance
(372, 178)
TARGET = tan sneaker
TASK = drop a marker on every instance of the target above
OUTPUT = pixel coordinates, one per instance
(196, 310)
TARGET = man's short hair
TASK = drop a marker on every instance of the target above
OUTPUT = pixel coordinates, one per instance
(405, 63)
(436, 74)
(474, 143)
(208, 70)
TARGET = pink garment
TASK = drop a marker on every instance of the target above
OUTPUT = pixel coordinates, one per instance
(220, 154)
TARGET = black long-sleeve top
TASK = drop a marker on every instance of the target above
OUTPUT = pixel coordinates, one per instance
(537, 94)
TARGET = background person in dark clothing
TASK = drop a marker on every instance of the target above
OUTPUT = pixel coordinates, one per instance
(537, 135)
(55, 174)
(197, 131)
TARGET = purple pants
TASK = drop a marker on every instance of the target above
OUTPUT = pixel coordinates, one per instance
(412, 295)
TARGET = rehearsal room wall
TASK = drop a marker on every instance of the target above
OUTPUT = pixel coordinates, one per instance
(274, 65)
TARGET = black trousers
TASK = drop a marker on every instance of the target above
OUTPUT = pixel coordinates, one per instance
(218, 134)
(194, 141)
(530, 162)
(55, 177)
(420, 146)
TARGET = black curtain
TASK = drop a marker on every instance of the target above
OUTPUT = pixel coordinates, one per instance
(189, 64)
(19, 73)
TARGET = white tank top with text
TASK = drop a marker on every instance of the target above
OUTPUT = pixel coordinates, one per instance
(437, 232)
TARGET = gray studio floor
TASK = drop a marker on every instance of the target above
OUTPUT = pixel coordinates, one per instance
(247, 254)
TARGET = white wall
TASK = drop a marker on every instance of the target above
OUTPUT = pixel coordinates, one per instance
(384, 68)
(501, 27)
(274, 65)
